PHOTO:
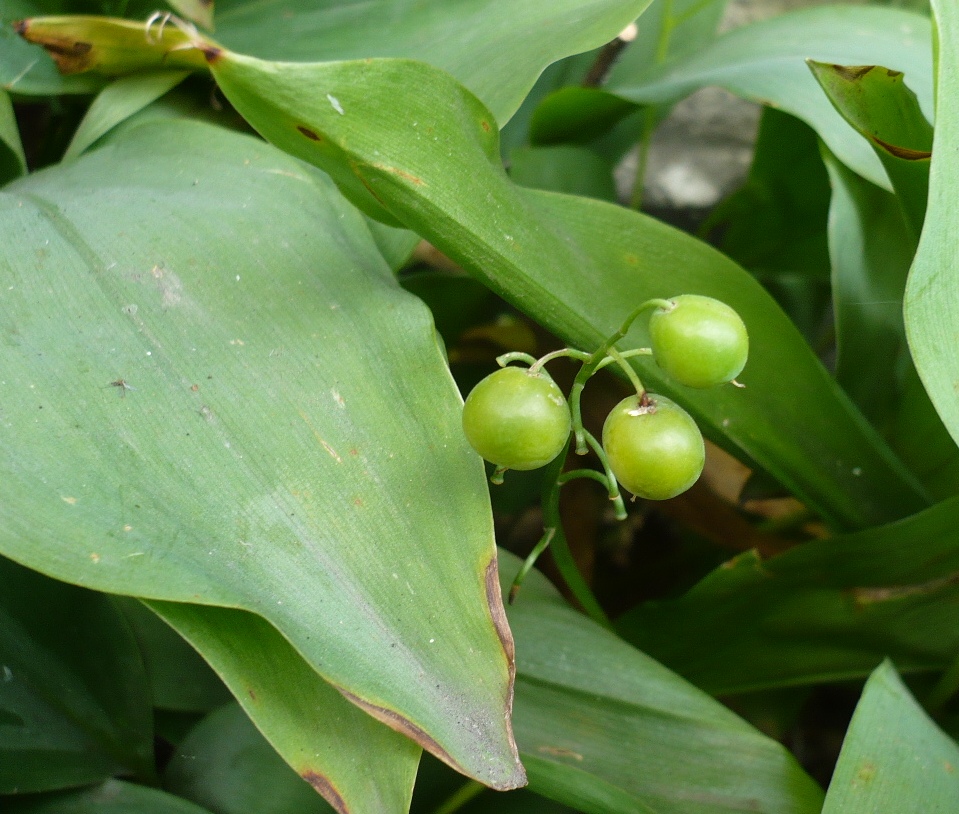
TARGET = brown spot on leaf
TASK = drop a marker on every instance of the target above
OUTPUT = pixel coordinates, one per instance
(852, 73)
(559, 751)
(327, 789)
(866, 596)
(485, 125)
(401, 173)
(252, 694)
(866, 773)
(309, 133)
(211, 53)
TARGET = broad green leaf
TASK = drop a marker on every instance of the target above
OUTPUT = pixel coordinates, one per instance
(894, 758)
(668, 29)
(117, 102)
(932, 297)
(884, 111)
(74, 701)
(497, 48)
(828, 610)
(775, 224)
(180, 680)
(327, 740)
(12, 160)
(225, 765)
(574, 170)
(111, 797)
(922, 440)
(605, 729)
(871, 248)
(282, 434)
(765, 62)
(575, 265)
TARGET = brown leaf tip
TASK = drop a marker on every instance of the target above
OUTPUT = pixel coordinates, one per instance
(20, 26)
(327, 789)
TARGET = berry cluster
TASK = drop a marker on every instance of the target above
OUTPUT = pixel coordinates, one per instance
(518, 418)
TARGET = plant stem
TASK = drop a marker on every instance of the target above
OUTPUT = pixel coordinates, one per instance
(515, 356)
(459, 798)
(562, 556)
(946, 687)
(596, 360)
(530, 561)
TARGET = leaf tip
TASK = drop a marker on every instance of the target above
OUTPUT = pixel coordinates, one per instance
(325, 788)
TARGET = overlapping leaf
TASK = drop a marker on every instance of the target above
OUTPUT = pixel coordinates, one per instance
(216, 393)
(577, 266)
(111, 797)
(497, 48)
(828, 610)
(226, 765)
(605, 729)
(766, 62)
(894, 758)
(74, 701)
(328, 741)
(932, 297)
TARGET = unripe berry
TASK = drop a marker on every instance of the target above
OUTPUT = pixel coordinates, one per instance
(654, 447)
(700, 342)
(517, 420)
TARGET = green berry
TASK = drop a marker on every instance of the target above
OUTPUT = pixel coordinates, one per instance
(654, 447)
(699, 341)
(517, 420)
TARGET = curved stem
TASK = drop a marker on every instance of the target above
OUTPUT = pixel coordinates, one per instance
(628, 370)
(626, 354)
(590, 474)
(460, 797)
(563, 558)
(572, 353)
(515, 356)
(945, 688)
(611, 483)
(595, 361)
(556, 539)
(530, 561)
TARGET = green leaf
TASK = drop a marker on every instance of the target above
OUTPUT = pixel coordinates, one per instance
(618, 739)
(884, 111)
(670, 29)
(180, 680)
(112, 797)
(282, 434)
(74, 701)
(574, 170)
(497, 48)
(575, 265)
(13, 163)
(328, 741)
(932, 298)
(894, 758)
(828, 610)
(765, 62)
(225, 765)
(117, 102)
(871, 248)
